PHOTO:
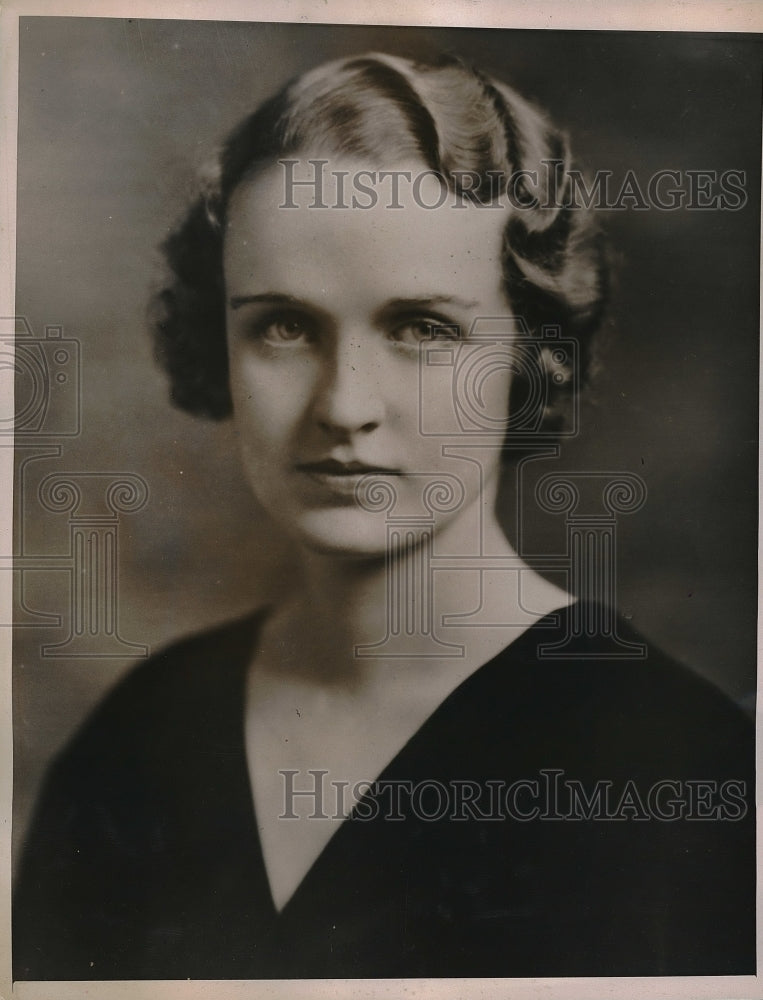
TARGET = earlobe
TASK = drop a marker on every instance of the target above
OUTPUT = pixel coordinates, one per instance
(560, 389)
(542, 392)
(557, 368)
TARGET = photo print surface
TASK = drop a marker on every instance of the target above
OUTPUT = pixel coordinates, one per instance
(385, 521)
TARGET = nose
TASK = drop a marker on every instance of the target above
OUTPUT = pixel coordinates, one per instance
(349, 395)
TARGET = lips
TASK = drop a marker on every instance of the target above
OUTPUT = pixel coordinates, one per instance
(338, 480)
(333, 467)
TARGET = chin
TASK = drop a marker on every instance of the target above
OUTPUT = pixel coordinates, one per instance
(344, 534)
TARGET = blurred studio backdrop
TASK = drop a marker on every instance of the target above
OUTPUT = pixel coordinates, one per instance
(115, 118)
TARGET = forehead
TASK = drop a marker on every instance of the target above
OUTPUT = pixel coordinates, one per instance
(395, 241)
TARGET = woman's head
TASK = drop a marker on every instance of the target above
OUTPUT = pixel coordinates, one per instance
(486, 143)
(349, 332)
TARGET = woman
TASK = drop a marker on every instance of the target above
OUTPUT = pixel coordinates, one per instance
(355, 781)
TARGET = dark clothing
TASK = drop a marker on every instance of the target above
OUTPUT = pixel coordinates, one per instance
(144, 861)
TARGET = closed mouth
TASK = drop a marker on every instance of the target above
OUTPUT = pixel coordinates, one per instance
(332, 467)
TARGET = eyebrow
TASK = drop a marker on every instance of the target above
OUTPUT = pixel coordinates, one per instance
(424, 301)
(394, 305)
(236, 301)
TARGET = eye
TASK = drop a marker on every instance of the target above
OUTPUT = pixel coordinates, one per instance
(284, 329)
(414, 331)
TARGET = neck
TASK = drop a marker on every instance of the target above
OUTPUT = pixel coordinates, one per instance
(353, 594)
(340, 603)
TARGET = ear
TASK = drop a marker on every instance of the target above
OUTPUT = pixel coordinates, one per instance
(560, 387)
(542, 390)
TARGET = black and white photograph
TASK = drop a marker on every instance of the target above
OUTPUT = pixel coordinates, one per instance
(384, 458)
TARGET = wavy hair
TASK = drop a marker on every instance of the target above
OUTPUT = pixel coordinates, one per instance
(384, 108)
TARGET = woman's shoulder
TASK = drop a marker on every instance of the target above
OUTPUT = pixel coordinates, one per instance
(146, 776)
(195, 681)
(600, 654)
(205, 654)
(621, 694)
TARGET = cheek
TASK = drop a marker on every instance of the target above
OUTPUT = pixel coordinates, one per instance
(470, 396)
(496, 393)
(269, 400)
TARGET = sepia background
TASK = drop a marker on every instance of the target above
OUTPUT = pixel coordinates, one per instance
(115, 119)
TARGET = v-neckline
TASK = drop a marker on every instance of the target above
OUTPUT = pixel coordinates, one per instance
(345, 828)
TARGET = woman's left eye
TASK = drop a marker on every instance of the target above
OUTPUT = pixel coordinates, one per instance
(416, 330)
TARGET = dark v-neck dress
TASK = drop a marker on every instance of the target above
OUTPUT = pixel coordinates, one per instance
(144, 860)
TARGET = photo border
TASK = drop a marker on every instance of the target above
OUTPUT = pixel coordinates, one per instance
(652, 15)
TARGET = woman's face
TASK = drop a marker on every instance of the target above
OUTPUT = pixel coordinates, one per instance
(333, 371)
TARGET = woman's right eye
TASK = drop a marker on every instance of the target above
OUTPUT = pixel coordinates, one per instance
(284, 330)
